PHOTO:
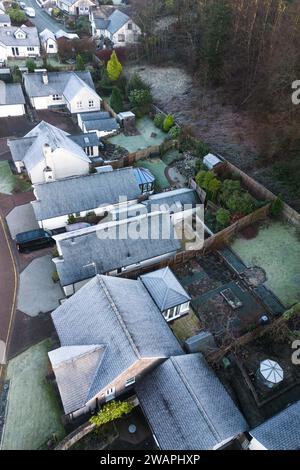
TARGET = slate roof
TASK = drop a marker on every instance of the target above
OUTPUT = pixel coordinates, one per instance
(185, 196)
(187, 406)
(11, 93)
(101, 23)
(7, 36)
(94, 116)
(116, 20)
(101, 125)
(110, 246)
(47, 34)
(86, 140)
(30, 148)
(114, 312)
(58, 83)
(165, 289)
(4, 19)
(83, 193)
(282, 432)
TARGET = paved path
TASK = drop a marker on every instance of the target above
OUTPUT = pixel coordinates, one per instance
(42, 20)
(9, 275)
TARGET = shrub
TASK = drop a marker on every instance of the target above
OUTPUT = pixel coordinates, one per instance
(71, 219)
(137, 83)
(116, 100)
(168, 123)
(80, 64)
(277, 207)
(140, 98)
(174, 132)
(228, 188)
(201, 149)
(55, 277)
(110, 412)
(16, 15)
(241, 202)
(31, 65)
(207, 180)
(159, 120)
(56, 12)
(223, 218)
(114, 67)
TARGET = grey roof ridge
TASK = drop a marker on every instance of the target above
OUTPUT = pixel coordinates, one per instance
(95, 374)
(71, 359)
(195, 398)
(85, 85)
(119, 317)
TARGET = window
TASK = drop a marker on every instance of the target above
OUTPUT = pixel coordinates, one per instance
(121, 37)
(56, 97)
(30, 48)
(51, 46)
(130, 26)
(130, 382)
(184, 307)
(91, 104)
(79, 104)
(110, 394)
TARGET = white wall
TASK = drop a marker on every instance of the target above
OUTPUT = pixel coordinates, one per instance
(130, 34)
(12, 110)
(48, 43)
(83, 96)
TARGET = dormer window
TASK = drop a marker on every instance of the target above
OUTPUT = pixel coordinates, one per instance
(56, 97)
(91, 104)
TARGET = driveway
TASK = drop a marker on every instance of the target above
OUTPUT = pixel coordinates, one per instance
(21, 219)
(37, 292)
(42, 20)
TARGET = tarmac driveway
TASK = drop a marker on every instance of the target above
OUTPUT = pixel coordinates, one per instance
(37, 292)
(21, 219)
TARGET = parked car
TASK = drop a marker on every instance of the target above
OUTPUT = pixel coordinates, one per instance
(22, 5)
(34, 240)
(30, 12)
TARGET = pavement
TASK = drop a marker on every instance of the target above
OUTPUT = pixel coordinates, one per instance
(21, 219)
(37, 292)
(42, 20)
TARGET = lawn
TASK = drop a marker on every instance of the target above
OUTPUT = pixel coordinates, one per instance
(33, 414)
(143, 140)
(157, 168)
(9, 182)
(276, 249)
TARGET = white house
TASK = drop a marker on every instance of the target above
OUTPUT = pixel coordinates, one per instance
(74, 90)
(12, 101)
(47, 153)
(48, 41)
(20, 41)
(75, 7)
(4, 18)
(100, 123)
(118, 27)
(81, 195)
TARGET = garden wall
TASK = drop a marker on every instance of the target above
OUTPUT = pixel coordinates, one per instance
(109, 109)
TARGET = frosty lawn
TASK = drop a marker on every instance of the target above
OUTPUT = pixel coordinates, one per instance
(33, 414)
(7, 179)
(142, 141)
(276, 249)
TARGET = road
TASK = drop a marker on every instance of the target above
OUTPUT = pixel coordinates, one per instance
(42, 20)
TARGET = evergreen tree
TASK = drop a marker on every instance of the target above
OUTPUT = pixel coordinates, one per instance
(116, 100)
(114, 67)
(80, 64)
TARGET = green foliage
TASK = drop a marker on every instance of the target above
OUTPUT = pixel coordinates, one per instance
(292, 312)
(55, 277)
(201, 148)
(229, 187)
(16, 15)
(174, 132)
(56, 13)
(159, 120)
(71, 219)
(16, 75)
(168, 123)
(31, 65)
(277, 207)
(110, 412)
(241, 202)
(136, 83)
(116, 100)
(223, 218)
(140, 98)
(207, 180)
(199, 166)
(114, 67)
(80, 64)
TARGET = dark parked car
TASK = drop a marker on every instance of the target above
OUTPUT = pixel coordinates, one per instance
(34, 240)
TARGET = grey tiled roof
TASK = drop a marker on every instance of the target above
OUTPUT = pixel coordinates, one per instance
(117, 313)
(101, 23)
(165, 289)
(105, 246)
(282, 432)
(7, 36)
(11, 93)
(86, 140)
(94, 116)
(116, 20)
(185, 196)
(187, 406)
(58, 83)
(101, 125)
(31, 146)
(83, 193)
(4, 19)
